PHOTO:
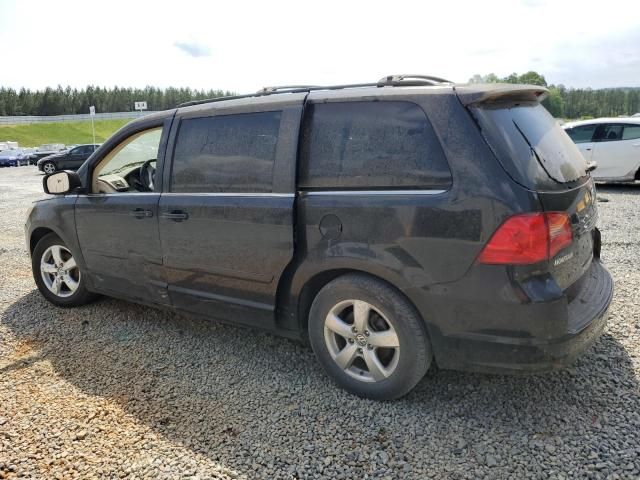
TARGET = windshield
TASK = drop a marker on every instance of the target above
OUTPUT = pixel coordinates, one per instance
(530, 144)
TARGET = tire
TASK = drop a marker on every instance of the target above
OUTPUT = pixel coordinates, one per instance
(70, 282)
(48, 167)
(392, 351)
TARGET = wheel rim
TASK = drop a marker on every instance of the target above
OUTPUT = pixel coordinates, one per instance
(59, 271)
(49, 168)
(362, 341)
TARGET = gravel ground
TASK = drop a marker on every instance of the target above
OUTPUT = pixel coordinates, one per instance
(115, 390)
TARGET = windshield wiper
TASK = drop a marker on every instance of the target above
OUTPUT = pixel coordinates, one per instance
(127, 166)
(533, 150)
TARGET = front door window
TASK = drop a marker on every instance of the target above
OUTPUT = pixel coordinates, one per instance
(130, 167)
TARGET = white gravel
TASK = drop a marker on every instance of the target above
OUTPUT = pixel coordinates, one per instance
(115, 390)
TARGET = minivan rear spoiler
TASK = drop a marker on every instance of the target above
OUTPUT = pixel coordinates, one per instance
(499, 92)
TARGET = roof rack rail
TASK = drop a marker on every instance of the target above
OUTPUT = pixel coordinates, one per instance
(285, 89)
(274, 90)
(213, 100)
(388, 81)
(410, 80)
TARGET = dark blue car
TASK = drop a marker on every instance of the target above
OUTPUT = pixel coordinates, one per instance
(14, 157)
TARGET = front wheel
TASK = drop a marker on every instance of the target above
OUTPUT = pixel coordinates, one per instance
(368, 337)
(49, 168)
(57, 274)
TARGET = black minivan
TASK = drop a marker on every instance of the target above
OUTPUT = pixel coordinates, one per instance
(396, 224)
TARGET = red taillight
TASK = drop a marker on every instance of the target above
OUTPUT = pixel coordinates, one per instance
(528, 238)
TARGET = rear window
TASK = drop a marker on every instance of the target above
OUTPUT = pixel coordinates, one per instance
(530, 144)
(371, 145)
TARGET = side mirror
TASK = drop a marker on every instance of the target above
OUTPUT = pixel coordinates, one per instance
(60, 183)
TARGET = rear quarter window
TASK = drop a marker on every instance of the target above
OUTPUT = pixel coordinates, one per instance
(363, 145)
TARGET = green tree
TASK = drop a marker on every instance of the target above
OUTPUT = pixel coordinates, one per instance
(554, 103)
(532, 78)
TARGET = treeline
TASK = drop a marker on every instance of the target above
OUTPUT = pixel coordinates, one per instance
(573, 103)
(61, 101)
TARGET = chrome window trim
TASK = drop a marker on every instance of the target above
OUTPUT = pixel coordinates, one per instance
(276, 195)
(372, 192)
(228, 194)
(102, 194)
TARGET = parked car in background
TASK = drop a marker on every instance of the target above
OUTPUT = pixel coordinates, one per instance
(15, 157)
(612, 143)
(395, 225)
(8, 145)
(47, 149)
(30, 153)
(67, 159)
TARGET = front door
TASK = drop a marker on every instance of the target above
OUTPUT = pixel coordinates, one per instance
(226, 223)
(614, 152)
(117, 222)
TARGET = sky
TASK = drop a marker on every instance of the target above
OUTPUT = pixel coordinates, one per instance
(243, 46)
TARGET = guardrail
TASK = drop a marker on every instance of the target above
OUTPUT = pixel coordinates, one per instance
(82, 117)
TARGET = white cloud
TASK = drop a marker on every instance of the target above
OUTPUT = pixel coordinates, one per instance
(193, 48)
(256, 44)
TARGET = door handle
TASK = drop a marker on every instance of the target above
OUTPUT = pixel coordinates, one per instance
(588, 149)
(141, 213)
(175, 215)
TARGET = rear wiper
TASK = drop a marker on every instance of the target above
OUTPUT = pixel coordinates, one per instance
(533, 150)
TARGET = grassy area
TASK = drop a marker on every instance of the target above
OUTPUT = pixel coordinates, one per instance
(35, 134)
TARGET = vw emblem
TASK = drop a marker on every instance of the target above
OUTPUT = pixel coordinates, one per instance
(361, 340)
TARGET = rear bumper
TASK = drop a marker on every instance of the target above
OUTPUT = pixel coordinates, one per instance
(544, 346)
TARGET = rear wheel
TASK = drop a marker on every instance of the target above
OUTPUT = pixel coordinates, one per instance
(57, 274)
(49, 167)
(368, 337)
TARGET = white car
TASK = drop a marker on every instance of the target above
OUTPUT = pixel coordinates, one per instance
(613, 143)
